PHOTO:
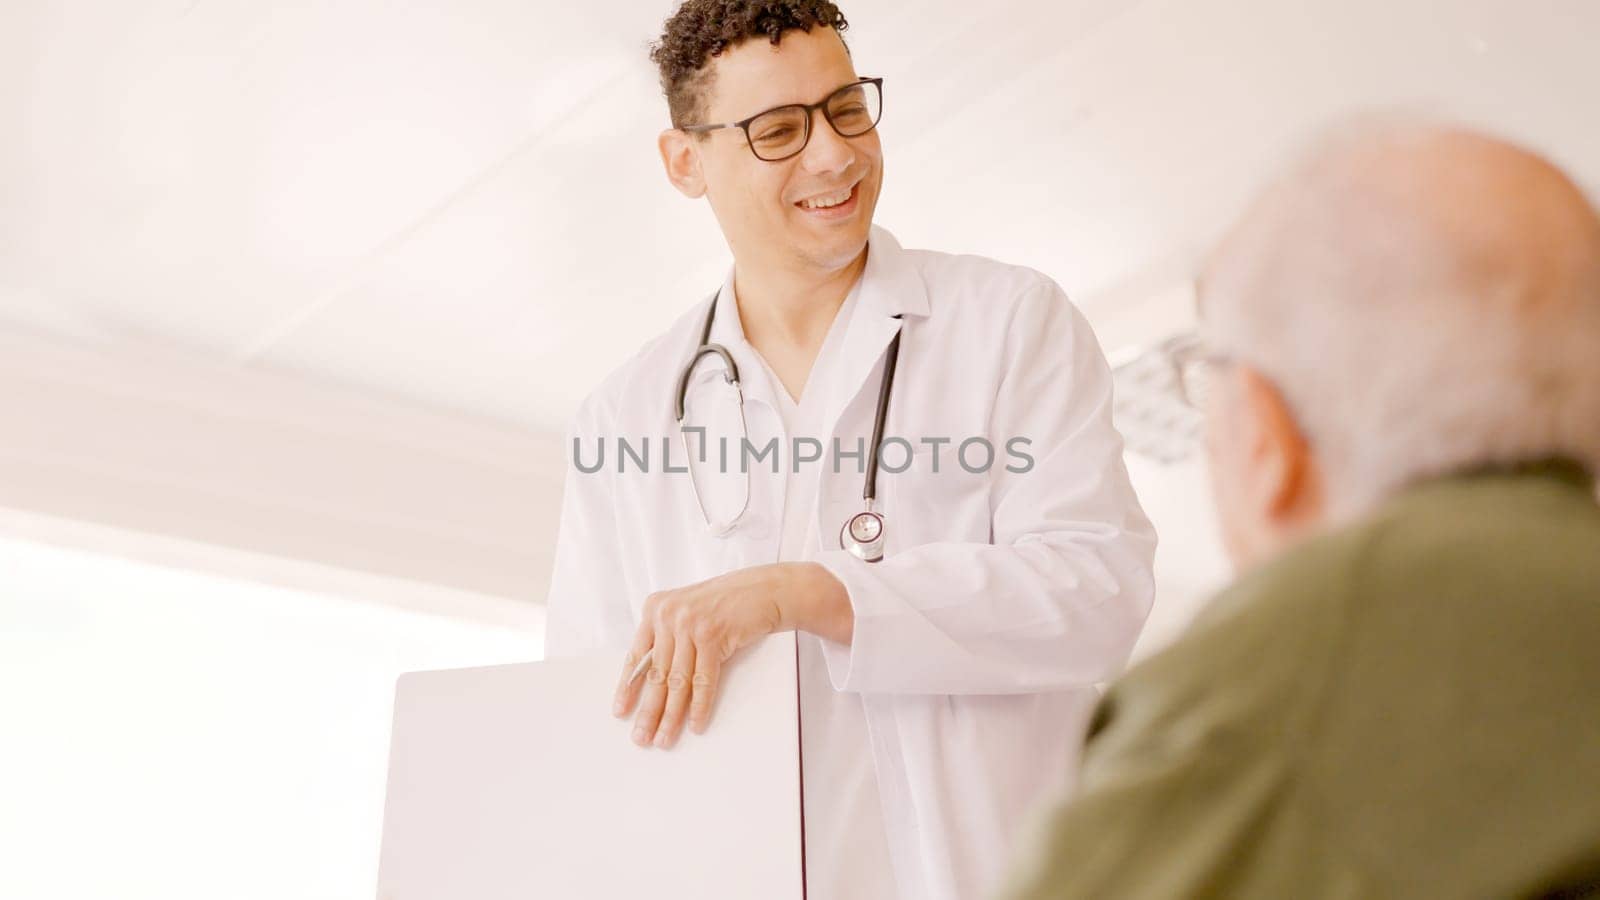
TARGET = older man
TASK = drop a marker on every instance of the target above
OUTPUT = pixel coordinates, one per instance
(1401, 696)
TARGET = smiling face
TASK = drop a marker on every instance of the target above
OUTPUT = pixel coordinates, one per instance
(811, 211)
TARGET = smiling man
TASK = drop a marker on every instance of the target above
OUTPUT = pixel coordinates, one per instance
(952, 615)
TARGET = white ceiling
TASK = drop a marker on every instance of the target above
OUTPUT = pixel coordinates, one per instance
(458, 204)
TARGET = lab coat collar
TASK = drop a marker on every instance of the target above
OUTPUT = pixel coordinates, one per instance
(890, 287)
(891, 291)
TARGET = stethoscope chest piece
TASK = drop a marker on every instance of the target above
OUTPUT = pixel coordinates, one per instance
(862, 536)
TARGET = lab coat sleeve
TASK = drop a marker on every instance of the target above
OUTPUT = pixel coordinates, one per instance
(588, 606)
(1060, 595)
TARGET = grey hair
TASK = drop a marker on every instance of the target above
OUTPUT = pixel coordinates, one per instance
(1426, 300)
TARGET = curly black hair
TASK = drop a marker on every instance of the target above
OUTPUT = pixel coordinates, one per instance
(702, 29)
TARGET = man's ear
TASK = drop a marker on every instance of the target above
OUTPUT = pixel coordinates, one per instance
(1280, 455)
(680, 155)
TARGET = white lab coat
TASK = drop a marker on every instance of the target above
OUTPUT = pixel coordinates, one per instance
(1003, 597)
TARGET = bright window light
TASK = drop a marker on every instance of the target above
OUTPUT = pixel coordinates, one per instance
(170, 734)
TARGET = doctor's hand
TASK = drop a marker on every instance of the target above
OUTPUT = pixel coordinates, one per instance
(690, 632)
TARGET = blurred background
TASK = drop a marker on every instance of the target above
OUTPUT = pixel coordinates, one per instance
(296, 299)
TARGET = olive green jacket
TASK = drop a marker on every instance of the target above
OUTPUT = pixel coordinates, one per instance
(1409, 707)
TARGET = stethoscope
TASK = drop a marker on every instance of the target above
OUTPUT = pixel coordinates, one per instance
(862, 534)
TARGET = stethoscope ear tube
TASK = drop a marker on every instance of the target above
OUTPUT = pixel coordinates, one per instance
(863, 533)
(869, 489)
(730, 372)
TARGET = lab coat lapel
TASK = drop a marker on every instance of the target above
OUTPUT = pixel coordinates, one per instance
(891, 293)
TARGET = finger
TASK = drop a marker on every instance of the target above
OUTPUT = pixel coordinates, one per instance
(653, 698)
(628, 686)
(678, 691)
(707, 676)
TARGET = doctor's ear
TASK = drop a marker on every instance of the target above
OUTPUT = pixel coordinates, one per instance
(680, 154)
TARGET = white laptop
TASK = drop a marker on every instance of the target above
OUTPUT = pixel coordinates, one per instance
(516, 781)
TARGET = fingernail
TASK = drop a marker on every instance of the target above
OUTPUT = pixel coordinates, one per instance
(662, 740)
(616, 708)
(639, 737)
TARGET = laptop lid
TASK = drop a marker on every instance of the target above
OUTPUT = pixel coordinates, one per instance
(517, 782)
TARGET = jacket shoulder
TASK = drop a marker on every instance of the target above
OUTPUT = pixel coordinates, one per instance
(966, 274)
(1269, 637)
(976, 295)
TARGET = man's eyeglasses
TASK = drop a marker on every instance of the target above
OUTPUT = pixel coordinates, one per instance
(783, 131)
(1195, 368)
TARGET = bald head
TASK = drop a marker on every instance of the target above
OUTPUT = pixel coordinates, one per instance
(1405, 208)
(1424, 299)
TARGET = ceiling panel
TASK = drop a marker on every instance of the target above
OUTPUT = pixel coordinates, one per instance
(460, 204)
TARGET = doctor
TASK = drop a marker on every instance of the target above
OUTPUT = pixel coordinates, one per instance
(945, 685)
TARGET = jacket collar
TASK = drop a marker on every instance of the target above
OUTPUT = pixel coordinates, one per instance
(890, 287)
(1556, 468)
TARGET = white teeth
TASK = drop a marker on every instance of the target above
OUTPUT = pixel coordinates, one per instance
(829, 201)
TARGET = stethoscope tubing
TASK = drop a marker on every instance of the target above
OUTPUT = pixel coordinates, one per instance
(869, 487)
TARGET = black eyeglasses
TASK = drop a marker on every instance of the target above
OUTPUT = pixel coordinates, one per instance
(1195, 367)
(783, 131)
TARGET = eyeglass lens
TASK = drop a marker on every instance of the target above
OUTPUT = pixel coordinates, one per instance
(1195, 377)
(853, 110)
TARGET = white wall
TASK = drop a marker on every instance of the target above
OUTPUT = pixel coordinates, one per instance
(273, 477)
(178, 736)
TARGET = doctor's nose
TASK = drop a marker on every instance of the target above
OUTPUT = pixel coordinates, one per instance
(826, 152)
